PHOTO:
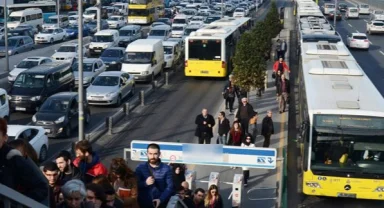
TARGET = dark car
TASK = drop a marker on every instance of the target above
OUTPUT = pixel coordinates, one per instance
(165, 20)
(21, 32)
(113, 57)
(343, 7)
(332, 13)
(92, 25)
(59, 114)
(34, 85)
(73, 31)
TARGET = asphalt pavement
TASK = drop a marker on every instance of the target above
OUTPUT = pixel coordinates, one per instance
(372, 62)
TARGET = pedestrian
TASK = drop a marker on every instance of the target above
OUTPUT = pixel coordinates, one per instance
(267, 128)
(277, 77)
(247, 143)
(253, 126)
(283, 93)
(186, 200)
(281, 66)
(213, 198)
(154, 178)
(244, 113)
(124, 182)
(198, 198)
(205, 123)
(230, 95)
(278, 48)
(223, 129)
(19, 172)
(51, 172)
(96, 195)
(241, 93)
(178, 175)
(235, 135)
(188, 192)
(88, 162)
(25, 148)
(113, 198)
(67, 170)
(225, 96)
(283, 49)
(74, 194)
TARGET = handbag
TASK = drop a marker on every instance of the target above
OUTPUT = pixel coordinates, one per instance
(273, 75)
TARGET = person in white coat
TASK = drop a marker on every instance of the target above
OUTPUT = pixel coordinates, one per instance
(247, 143)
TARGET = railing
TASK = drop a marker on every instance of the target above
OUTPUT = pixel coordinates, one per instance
(11, 198)
(375, 4)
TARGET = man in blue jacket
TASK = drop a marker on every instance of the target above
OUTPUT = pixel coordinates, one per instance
(155, 181)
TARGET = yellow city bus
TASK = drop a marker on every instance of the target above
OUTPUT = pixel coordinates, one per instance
(209, 50)
(144, 11)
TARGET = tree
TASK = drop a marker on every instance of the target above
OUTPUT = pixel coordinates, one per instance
(263, 40)
(272, 22)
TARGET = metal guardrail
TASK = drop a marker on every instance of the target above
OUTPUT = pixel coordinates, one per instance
(379, 4)
(11, 198)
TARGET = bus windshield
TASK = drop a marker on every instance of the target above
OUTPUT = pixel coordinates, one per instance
(139, 1)
(138, 12)
(344, 144)
(204, 49)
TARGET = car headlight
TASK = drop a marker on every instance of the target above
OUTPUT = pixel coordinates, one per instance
(9, 52)
(113, 62)
(145, 72)
(106, 45)
(9, 97)
(60, 120)
(35, 98)
(111, 94)
(34, 118)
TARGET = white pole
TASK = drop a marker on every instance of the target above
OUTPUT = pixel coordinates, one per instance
(81, 88)
(334, 15)
(98, 15)
(58, 13)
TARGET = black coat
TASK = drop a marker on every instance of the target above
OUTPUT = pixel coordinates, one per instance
(199, 121)
(17, 171)
(224, 127)
(280, 87)
(250, 111)
(267, 126)
(63, 178)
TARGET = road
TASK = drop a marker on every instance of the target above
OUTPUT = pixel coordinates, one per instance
(169, 116)
(372, 62)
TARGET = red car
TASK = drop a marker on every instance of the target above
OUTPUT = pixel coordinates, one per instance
(332, 13)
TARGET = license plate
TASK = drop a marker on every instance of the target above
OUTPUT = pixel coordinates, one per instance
(97, 50)
(21, 109)
(48, 131)
(204, 72)
(136, 77)
(346, 195)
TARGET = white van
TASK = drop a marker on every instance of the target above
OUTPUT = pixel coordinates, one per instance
(144, 59)
(73, 19)
(4, 104)
(162, 32)
(123, 8)
(352, 12)
(103, 40)
(56, 21)
(180, 19)
(31, 16)
(172, 54)
(363, 8)
(178, 31)
(328, 7)
(90, 13)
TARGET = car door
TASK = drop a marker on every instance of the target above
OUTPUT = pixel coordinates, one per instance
(56, 35)
(30, 135)
(60, 33)
(73, 113)
(100, 67)
(52, 86)
(127, 86)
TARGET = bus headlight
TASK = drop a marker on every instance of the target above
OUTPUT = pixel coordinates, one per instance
(313, 184)
(379, 189)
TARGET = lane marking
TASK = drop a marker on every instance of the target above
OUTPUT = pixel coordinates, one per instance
(382, 53)
(370, 43)
(349, 25)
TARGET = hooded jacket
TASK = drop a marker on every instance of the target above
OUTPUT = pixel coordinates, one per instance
(92, 169)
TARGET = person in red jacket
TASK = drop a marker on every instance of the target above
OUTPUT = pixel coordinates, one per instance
(88, 162)
(281, 66)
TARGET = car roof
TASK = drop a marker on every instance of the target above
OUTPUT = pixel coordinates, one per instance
(170, 43)
(18, 37)
(70, 44)
(115, 48)
(90, 60)
(64, 95)
(162, 27)
(47, 67)
(130, 27)
(12, 130)
(112, 73)
(36, 58)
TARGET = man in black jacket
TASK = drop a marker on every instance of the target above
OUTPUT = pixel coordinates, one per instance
(205, 123)
(20, 173)
(283, 93)
(67, 170)
(224, 128)
(267, 128)
(244, 113)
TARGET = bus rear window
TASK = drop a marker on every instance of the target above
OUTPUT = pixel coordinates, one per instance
(204, 49)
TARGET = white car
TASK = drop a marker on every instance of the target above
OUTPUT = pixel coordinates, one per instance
(177, 31)
(375, 27)
(110, 88)
(358, 40)
(27, 64)
(67, 52)
(35, 135)
(197, 19)
(92, 67)
(73, 19)
(116, 22)
(51, 35)
(239, 12)
(245, 9)
(204, 9)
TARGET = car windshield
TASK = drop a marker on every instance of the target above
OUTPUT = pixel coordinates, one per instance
(106, 81)
(239, 10)
(197, 19)
(125, 32)
(14, 19)
(188, 12)
(87, 67)
(54, 105)
(67, 49)
(176, 28)
(103, 38)
(90, 12)
(189, 31)
(379, 12)
(73, 27)
(138, 57)
(165, 20)
(11, 42)
(157, 23)
(72, 18)
(52, 21)
(179, 21)
(157, 33)
(26, 80)
(27, 64)
(378, 24)
(113, 18)
(168, 49)
(211, 19)
(111, 53)
(47, 31)
(92, 23)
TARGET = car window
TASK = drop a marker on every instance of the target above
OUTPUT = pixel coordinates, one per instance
(29, 134)
(95, 66)
(125, 76)
(74, 106)
(3, 99)
(100, 64)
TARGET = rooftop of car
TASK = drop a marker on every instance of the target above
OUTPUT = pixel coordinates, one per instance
(48, 67)
(90, 60)
(64, 95)
(112, 73)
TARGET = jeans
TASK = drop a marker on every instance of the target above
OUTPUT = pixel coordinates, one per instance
(283, 101)
(222, 139)
(246, 176)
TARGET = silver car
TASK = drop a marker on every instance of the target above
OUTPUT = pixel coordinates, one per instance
(110, 88)
(92, 67)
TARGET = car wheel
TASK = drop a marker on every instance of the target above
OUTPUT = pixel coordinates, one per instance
(51, 41)
(133, 90)
(43, 153)
(118, 101)
(68, 131)
(32, 48)
(87, 118)
(64, 38)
